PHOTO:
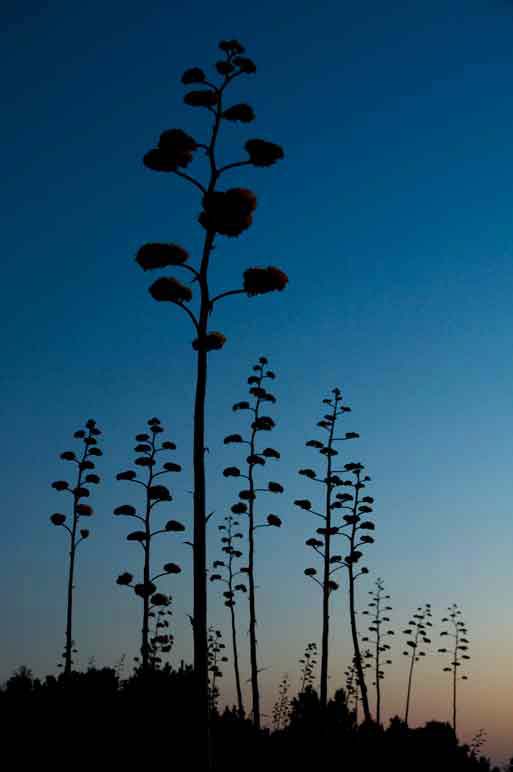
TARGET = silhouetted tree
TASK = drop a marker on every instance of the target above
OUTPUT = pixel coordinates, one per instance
(458, 650)
(377, 635)
(330, 481)
(417, 633)
(155, 493)
(84, 477)
(227, 576)
(257, 457)
(229, 213)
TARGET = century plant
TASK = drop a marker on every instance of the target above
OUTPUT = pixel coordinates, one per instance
(225, 572)
(378, 612)
(84, 476)
(308, 664)
(215, 657)
(329, 481)
(224, 212)
(417, 638)
(457, 651)
(352, 690)
(281, 708)
(161, 640)
(257, 457)
(148, 451)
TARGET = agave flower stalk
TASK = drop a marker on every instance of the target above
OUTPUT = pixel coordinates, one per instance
(418, 635)
(352, 690)
(148, 451)
(225, 212)
(308, 664)
(225, 572)
(281, 707)
(330, 481)
(258, 457)
(161, 640)
(215, 657)
(358, 506)
(457, 651)
(84, 477)
(377, 637)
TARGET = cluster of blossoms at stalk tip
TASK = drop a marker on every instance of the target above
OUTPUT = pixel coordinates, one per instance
(227, 212)
(148, 451)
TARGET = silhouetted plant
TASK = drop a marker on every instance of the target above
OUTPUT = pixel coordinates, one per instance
(84, 477)
(225, 573)
(458, 650)
(378, 611)
(227, 212)
(417, 636)
(281, 709)
(258, 457)
(215, 657)
(155, 493)
(308, 664)
(161, 640)
(355, 523)
(323, 547)
(477, 742)
(352, 690)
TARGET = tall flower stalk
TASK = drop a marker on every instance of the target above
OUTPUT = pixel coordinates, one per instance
(258, 456)
(457, 651)
(281, 708)
(225, 572)
(330, 481)
(308, 664)
(417, 638)
(148, 452)
(225, 212)
(84, 476)
(377, 637)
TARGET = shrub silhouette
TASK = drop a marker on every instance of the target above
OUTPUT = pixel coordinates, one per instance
(258, 456)
(84, 477)
(224, 212)
(154, 604)
(330, 480)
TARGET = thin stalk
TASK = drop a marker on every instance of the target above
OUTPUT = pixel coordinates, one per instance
(235, 647)
(145, 646)
(326, 575)
(255, 693)
(352, 614)
(71, 572)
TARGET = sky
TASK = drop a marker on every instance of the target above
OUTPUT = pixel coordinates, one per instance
(391, 214)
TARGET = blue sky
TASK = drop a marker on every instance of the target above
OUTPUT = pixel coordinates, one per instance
(391, 213)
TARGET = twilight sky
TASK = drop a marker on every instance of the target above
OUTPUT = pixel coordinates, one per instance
(391, 213)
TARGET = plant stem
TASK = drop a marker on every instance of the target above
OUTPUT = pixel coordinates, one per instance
(326, 576)
(255, 693)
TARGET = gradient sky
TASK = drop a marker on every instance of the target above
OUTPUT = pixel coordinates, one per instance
(392, 216)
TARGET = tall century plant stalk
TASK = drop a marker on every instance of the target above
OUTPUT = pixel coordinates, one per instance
(457, 651)
(225, 572)
(84, 476)
(224, 212)
(148, 451)
(418, 637)
(258, 457)
(327, 513)
(377, 638)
